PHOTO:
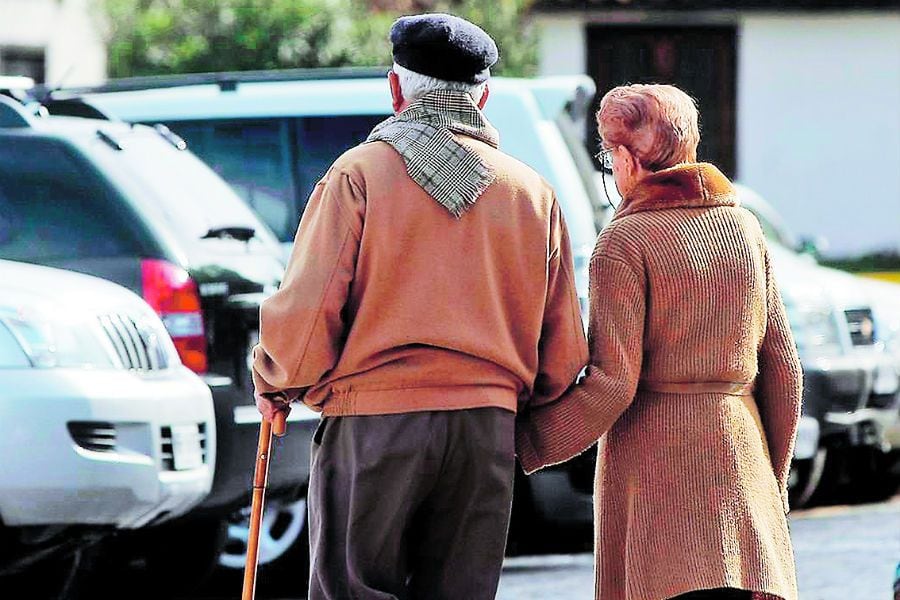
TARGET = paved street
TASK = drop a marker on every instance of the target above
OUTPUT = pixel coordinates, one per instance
(843, 553)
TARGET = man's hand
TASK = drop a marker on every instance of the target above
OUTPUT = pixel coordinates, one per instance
(271, 404)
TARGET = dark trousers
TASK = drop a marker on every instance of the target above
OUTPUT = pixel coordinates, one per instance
(410, 506)
(716, 594)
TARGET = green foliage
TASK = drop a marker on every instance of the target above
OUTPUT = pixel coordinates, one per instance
(503, 19)
(878, 262)
(150, 37)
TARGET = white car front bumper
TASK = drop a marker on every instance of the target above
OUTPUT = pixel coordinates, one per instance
(95, 447)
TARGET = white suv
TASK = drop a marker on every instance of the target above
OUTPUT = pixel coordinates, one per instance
(101, 427)
(852, 380)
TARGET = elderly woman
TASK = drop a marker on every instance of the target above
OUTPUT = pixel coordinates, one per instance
(693, 386)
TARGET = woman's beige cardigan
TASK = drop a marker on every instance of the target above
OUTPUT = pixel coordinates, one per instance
(694, 385)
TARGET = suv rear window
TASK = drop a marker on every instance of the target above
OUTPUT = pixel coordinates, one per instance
(190, 197)
(54, 206)
(253, 156)
(274, 164)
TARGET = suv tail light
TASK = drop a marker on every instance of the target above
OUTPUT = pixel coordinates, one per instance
(171, 292)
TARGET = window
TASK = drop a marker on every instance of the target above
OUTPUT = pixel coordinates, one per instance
(24, 62)
(274, 164)
(776, 233)
(320, 140)
(53, 207)
(254, 157)
(189, 195)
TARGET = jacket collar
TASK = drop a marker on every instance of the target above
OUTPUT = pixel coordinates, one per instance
(692, 185)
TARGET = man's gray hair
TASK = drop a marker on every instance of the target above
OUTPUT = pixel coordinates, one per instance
(415, 85)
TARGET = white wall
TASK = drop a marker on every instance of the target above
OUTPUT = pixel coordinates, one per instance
(67, 31)
(563, 45)
(819, 124)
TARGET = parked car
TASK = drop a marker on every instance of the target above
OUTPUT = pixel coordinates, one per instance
(101, 427)
(130, 204)
(852, 384)
(273, 135)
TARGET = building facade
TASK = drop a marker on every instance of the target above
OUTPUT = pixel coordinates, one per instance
(52, 41)
(802, 104)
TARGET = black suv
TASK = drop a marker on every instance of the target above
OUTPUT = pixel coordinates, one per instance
(132, 205)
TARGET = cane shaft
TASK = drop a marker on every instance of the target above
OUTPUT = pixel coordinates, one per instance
(249, 591)
(260, 479)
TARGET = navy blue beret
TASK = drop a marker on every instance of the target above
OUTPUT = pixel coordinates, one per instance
(444, 47)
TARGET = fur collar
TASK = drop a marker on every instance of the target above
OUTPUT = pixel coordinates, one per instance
(692, 185)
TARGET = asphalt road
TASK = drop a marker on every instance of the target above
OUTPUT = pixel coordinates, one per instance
(842, 553)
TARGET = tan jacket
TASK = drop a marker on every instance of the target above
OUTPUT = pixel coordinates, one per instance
(390, 304)
(694, 385)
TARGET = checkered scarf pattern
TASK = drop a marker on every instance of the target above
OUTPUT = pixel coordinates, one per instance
(423, 135)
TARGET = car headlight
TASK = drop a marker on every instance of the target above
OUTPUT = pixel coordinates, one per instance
(47, 341)
(815, 330)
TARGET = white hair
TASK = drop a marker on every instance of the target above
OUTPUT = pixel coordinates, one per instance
(415, 85)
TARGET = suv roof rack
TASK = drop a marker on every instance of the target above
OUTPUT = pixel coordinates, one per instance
(13, 114)
(226, 80)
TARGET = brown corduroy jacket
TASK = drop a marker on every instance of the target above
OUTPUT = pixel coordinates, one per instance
(694, 389)
(390, 304)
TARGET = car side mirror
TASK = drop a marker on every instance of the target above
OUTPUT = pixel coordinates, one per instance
(813, 246)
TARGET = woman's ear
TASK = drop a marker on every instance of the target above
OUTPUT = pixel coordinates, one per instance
(630, 161)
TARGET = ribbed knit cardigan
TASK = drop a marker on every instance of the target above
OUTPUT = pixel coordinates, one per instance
(694, 385)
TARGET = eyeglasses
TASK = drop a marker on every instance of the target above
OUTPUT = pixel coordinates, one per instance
(605, 157)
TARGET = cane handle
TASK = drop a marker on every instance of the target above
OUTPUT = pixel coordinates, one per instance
(279, 424)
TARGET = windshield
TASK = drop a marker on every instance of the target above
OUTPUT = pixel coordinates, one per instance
(586, 171)
(774, 228)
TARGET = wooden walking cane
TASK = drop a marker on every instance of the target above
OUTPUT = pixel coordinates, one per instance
(260, 478)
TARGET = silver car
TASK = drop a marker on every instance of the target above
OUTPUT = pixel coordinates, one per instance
(101, 427)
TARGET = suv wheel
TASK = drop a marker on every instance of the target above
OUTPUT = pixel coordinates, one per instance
(805, 478)
(283, 546)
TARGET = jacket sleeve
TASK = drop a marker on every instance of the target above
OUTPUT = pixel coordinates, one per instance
(556, 431)
(301, 325)
(779, 385)
(562, 349)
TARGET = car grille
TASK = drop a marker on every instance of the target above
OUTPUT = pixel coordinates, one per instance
(96, 436)
(167, 451)
(882, 401)
(845, 402)
(861, 326)
(137, 347)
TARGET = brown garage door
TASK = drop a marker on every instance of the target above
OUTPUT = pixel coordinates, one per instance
(699, 60)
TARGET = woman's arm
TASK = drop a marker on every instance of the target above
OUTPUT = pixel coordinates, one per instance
(556, 431)
(779, 385)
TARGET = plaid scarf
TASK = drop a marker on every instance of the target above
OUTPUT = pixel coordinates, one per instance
(423, 135)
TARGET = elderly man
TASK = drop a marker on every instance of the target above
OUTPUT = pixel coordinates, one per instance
(429, 295)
